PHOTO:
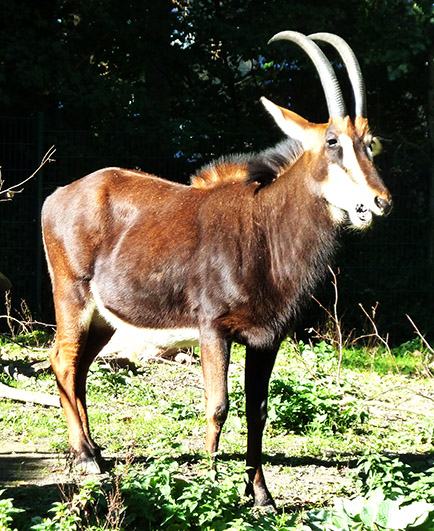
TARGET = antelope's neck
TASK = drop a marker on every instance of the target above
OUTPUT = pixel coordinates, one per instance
(301, 240)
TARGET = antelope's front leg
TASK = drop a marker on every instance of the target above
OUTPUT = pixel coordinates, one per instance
(215, 361)
(259, 364)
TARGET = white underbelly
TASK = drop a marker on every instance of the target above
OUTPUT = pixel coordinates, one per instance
(158, 337)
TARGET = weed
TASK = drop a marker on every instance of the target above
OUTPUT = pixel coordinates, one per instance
(408, 358)
(159, 497)
(297, 404)
(69, 515)
(7, 512)
(320, 358)
(395, 478)
(157, 401)
(303, 405)
(394, 496)
(104, 382)
(181, 411)
(372, 513)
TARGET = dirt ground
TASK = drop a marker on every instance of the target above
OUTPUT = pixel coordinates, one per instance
(311, 482)
(296, 483)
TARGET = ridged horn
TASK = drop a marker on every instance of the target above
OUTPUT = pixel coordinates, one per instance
(332, 90)
(353, 68)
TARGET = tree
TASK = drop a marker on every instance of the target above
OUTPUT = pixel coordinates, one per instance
(184, 77)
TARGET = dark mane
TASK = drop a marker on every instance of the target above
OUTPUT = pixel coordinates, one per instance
(263, 167)
(268, 165)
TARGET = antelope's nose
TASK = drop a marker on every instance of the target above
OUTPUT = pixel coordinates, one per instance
(385, 205)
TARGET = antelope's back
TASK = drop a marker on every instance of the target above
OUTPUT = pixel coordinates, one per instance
(88, 221)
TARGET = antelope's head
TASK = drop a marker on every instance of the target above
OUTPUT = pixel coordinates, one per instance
(341, 150)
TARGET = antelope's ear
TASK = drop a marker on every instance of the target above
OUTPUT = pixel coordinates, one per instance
(289, 122)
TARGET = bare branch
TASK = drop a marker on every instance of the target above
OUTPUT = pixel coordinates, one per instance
(9, 193)
(377, 335)
(336, 322)
(425, 342)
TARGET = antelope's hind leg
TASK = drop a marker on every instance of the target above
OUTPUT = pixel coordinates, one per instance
(78, 341)
(97, 338)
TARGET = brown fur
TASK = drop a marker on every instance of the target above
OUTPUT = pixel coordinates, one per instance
(233, 256)
(226, 172)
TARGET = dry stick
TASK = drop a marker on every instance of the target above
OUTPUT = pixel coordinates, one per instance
(400, 388)
(24, 323)
(337, 324)
(12, 190)
(424, 341)
(372, 400)
(334, 317)
(377, 335)
(400, 409)
(300, 356)
(12, 393)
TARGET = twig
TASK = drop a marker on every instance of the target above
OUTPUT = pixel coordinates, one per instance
(400, 388)
(401, 410)
(424, 341)
(12, 190)
(303, 361)
(377, 335)
(21, 322)
(335, 318)
(337, 324)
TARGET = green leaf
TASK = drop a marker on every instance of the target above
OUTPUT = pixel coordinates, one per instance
(410, 515)
(371, 508)
(389, 515)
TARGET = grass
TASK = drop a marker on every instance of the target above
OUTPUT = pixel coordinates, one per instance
(317, 432)
(407, 358)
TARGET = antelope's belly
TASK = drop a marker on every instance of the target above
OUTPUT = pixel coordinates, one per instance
(174, 337)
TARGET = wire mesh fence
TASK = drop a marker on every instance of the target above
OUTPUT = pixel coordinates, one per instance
(388, 264)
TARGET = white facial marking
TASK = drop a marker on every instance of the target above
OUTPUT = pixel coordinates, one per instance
(164, 337)
(349, 159)
(346, 188)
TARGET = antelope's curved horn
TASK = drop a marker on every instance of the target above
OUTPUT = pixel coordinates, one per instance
(353, 68)
(332, 90)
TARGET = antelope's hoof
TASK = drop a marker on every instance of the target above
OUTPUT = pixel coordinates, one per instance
(88, 465)
(268, 507)
(261, 498)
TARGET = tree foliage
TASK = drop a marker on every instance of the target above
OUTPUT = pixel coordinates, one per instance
(188, 74)
(197, 68)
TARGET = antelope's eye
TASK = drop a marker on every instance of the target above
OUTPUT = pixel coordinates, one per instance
(332, 141)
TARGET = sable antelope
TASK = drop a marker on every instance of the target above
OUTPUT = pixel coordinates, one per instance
(228, 258)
